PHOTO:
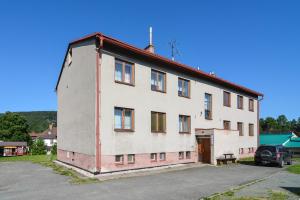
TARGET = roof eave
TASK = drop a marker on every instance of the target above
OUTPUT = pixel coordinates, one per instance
(160, 58)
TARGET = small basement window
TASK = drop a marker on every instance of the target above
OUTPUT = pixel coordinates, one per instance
(131, 158)
(119, 159)
(188, 155)
(162, 156)
(153, 157)
(181, 155)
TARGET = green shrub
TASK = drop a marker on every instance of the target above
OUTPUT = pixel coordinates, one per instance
(54, 149)
(38, 147)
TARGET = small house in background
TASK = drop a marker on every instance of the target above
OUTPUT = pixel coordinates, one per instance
(287, 139)
(34, 135)
(49, 137)
(13, 148)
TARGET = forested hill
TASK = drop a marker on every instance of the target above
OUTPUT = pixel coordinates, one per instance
(39, 120)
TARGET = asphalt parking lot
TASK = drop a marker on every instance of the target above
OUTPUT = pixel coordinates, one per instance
(25, 180)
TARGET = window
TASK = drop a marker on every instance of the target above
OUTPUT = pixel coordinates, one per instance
(240, 127)
(226, 125)
(226, 99)
(124, 72)
(69, 57)
(119, 159)
(124, 119)
(184, 124)
(208, 106)
(188, 155)
(131, 158)
(183, 88)
(251, 105)
(153, 157)
(158, 122)
(181, 155)
(241, 151)
(251, 129)
(158, 81)
(162, 156)
(240, 102)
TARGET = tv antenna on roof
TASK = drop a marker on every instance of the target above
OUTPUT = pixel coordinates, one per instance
(174, 50)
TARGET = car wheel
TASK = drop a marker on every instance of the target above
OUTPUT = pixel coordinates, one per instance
(256, 163)
(290, 162)
(281, 163)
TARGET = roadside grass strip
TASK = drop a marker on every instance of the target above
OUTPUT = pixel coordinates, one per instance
(295, 169)
(230, 194)
(47, 161)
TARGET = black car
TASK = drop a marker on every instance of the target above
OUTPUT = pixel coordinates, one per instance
(268, 154)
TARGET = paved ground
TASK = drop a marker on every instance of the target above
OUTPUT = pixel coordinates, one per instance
(282, 181)
(24, 180)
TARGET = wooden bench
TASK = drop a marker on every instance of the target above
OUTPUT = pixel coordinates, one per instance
(227, 157)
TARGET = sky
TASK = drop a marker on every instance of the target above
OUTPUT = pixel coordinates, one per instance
(255, 43)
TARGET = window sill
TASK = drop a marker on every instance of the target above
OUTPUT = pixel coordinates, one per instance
(119, 163)
(209, 118)
(229, 106)
(162, 132)
(131, 163)
(187, 97)
(153, 160)
(161, 91)
(240, 108)
(251, 110)
(124, 83)
(185, 132)
(123, 130)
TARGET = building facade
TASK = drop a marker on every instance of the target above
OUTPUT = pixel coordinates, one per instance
(121, 108)
(13, 148)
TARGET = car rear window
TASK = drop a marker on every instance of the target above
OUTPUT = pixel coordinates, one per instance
(269, 148)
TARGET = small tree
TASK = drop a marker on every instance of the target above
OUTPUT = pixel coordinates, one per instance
(54, 149)
(38, 147)
(14, 127)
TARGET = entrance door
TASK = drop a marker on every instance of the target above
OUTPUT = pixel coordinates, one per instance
(204, 150)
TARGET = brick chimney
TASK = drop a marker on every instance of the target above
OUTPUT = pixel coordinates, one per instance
(150, 47)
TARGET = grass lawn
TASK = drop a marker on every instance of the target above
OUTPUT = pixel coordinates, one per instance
(296, 159)
(47, 161)
(295, 169)
(246, 161)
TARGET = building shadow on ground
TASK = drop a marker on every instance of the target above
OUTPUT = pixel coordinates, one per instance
(294, 190)
(251, 163)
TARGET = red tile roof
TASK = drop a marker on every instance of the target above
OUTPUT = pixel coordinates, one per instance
(154, 57)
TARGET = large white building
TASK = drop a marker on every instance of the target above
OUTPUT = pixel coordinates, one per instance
(121, 107)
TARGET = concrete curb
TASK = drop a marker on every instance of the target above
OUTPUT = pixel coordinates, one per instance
(133, 172)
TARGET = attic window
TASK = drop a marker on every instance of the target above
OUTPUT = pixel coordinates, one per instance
(69, 57)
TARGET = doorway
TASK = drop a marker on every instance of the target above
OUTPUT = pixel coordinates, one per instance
(204, 152)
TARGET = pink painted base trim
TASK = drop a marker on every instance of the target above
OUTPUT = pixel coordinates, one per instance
(83, 161)
(142, 161)
(247, 154)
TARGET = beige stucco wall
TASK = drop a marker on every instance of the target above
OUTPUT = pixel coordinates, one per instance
(143, 100)
(76, 101)
(225, 141)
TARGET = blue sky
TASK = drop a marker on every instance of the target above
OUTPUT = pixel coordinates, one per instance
(252, 43)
